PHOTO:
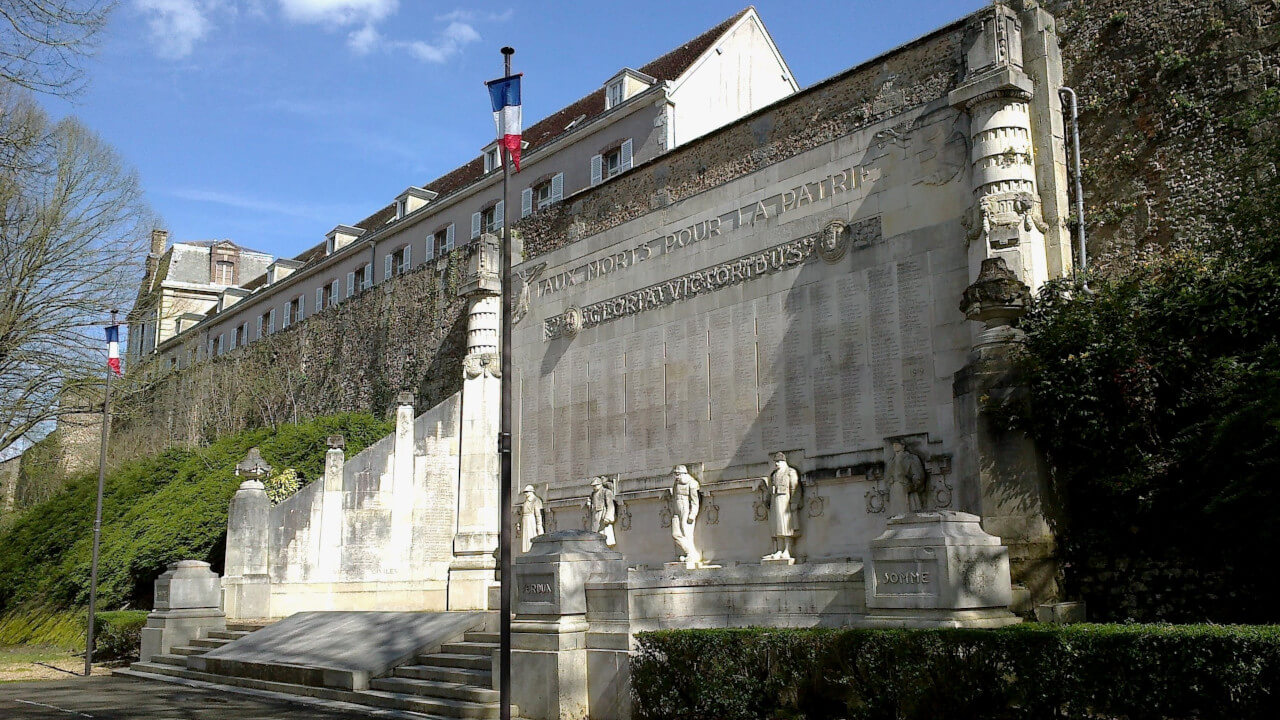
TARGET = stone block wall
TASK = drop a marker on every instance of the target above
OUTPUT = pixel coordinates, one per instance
(1178, 109)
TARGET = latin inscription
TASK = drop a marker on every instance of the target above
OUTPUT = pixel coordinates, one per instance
(748, 267)
(747, 216)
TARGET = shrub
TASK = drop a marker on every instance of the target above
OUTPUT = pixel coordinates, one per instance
(1157, 401)
(36, 625)
(118, 635)
(1031, 672)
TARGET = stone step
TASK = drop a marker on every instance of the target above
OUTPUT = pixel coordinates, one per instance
(368, 698)
(435, 689)
(188, 650)
(208, 643)
(176, 660)
(454, 660)
(475, 678)
(469, 648)
(247, 627)
(481, 637)
(440, 707)
(228, 634)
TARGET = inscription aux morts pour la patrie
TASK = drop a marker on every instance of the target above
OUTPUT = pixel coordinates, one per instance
(747, 216)
(829, 243)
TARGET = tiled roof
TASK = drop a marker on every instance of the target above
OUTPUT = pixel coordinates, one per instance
(211, 243)
(668, 67)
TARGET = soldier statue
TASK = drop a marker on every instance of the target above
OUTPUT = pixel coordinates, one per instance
(782, 498)
(603, 508)
(530, 518)
(684, 501)
(908, 483)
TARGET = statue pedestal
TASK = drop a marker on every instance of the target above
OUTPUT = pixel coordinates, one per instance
(938, 569)
(187, 603)
(771, 562)
(557, 657)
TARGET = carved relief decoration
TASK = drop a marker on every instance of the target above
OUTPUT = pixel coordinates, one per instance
(522, 282)
(473, 366)
(877, 496)
(833, 241)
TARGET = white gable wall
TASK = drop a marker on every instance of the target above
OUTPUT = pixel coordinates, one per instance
(746, 74)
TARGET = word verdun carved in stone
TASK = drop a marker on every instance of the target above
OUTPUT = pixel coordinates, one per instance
(768, 208)
(717, 277)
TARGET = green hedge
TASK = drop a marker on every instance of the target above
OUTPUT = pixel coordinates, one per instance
(167, 507)
(118, 635)
(1031, 672)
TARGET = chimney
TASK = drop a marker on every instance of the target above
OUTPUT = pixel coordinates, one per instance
(159, 238)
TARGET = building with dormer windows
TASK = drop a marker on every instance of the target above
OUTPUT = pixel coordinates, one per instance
(636, 115)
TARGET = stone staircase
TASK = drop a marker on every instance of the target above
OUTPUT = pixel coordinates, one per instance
(455, 682)
(215, 639)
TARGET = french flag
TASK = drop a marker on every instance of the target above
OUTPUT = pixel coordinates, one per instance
(113, 348)
(505, 94)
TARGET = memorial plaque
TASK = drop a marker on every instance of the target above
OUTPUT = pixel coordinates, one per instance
(720, 340)
(579, 429)
(697, 398)
(825, 342)
(770, 363)
(562, 398)
(677, 383)
(855, 389)
(655, 398)
(528, 433)
(798, 392)
(546, 426)
(886, 354)
(917, 380)
(913, 306)
(746, 434)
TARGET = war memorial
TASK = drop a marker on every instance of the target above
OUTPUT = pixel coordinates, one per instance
(754, 378)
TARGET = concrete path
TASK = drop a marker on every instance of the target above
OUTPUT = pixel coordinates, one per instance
(121, 698)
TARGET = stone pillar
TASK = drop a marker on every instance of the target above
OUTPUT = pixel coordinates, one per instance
(472, 570)
(562, 666)
(187, 604)
(246, 585)
(1006, 219)
(1003, 475)
(331, 510)
(402, 484)
(938, 569)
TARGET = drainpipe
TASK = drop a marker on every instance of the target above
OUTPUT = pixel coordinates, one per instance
(1082, 258)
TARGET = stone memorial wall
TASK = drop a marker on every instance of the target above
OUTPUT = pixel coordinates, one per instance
(805, 301)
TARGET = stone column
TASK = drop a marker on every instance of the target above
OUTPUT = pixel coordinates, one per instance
(472, 570)
(331, 521)
(564, 667)
(246, 585)
(1006, 219)
(1004, 478)
(187, 604)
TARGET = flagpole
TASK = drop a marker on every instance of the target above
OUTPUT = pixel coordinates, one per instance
(97, 516)
(504, 442)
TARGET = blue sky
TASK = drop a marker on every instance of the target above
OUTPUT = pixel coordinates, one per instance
(270, 121)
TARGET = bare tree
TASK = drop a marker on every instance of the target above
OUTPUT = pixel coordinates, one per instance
(42, 42)
(72, 226)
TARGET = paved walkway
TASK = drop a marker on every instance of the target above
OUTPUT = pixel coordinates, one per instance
(121, 698)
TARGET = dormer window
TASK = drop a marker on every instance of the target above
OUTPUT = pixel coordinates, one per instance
(400, 209)
(626, 84)
(492, 159)
(613, 94)
(224, 272)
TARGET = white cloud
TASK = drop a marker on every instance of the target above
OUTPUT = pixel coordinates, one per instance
(338, 12)
(175, 25)
(456, 35)
(364, 40)
(470, 15)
